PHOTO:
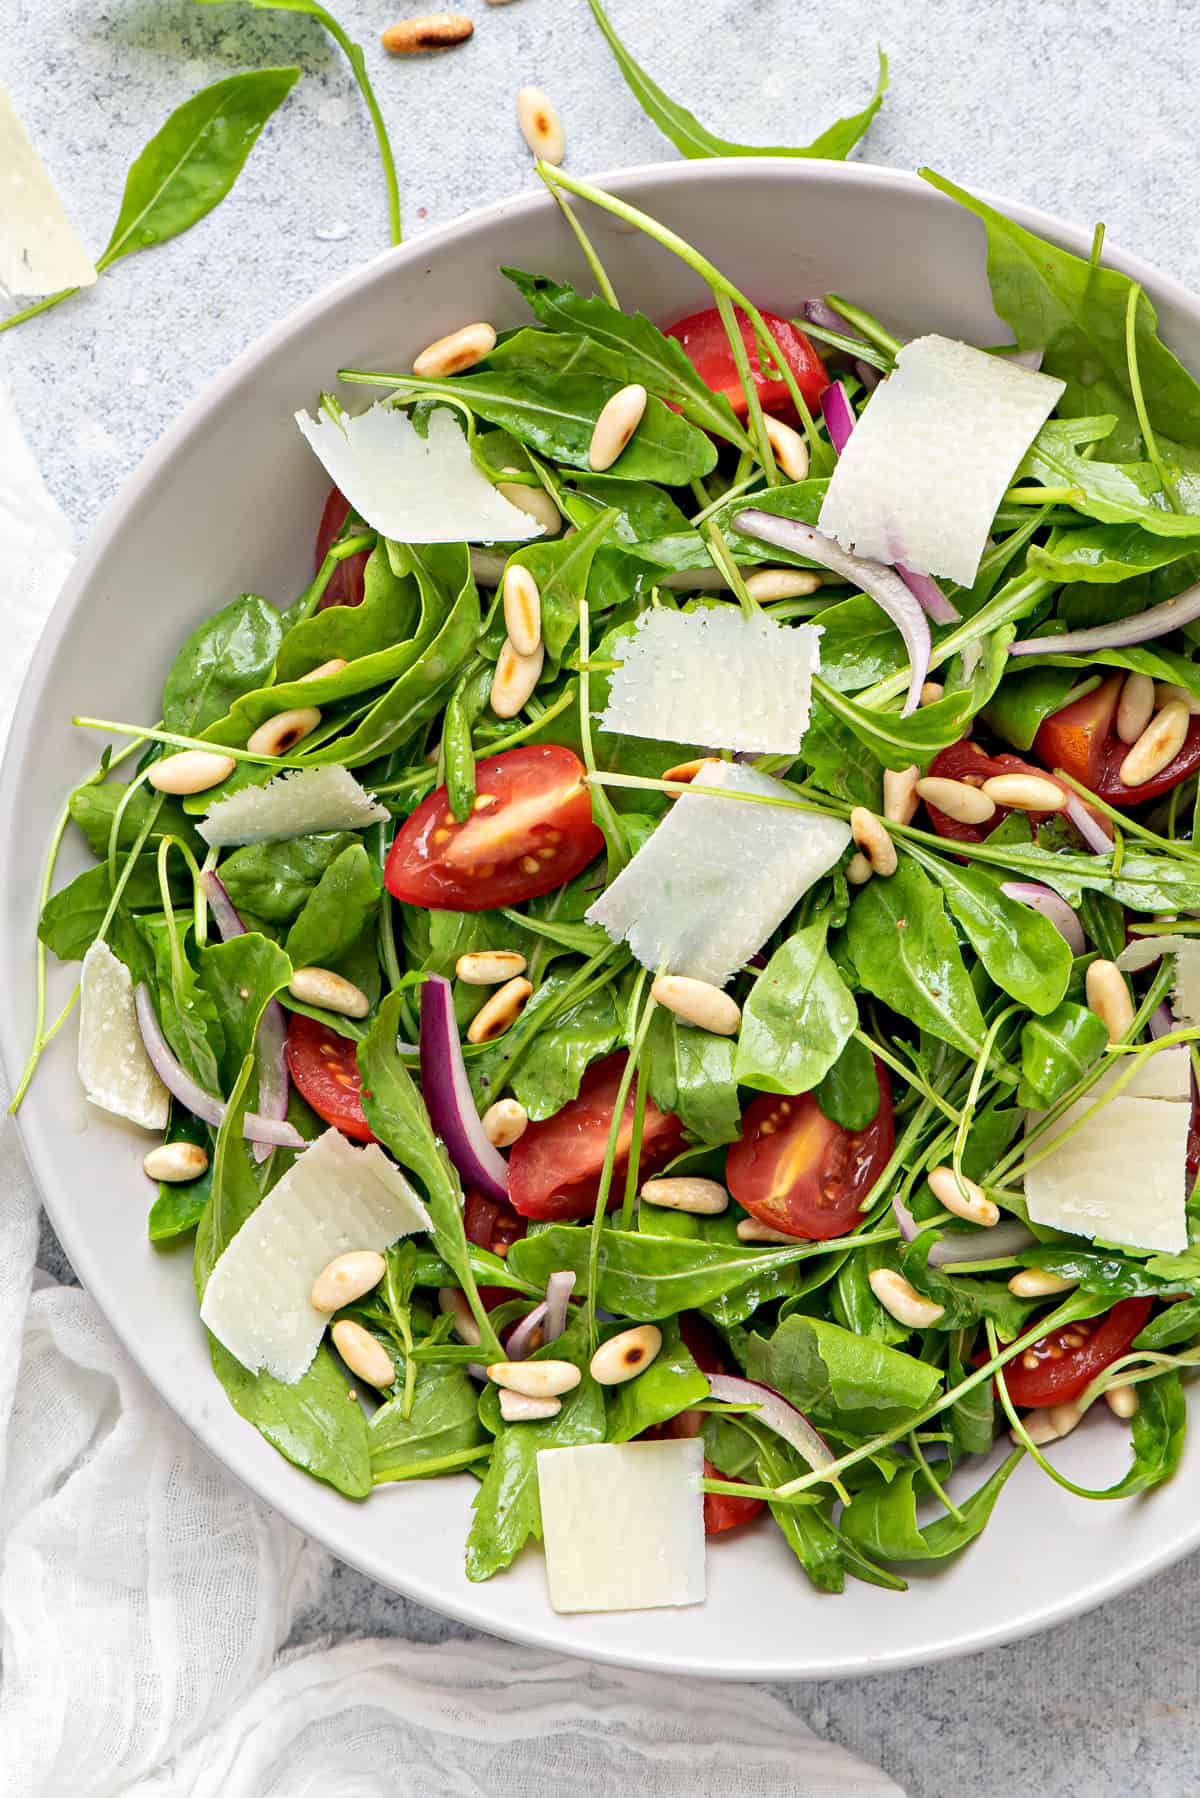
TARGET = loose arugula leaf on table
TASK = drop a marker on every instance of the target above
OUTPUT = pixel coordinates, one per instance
(798, 1017)
(1021, 950)
(882, 1517)
(906, 953)
(337, 911)
(1056, 1051)
(226, 655)
(855, 1382)
(444, 1421)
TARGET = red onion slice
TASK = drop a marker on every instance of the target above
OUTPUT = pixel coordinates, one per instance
(820, 312)
(906, 1223)
(1093, 834)
(558, 1292)
(228, 918)
(179, 1083)
(1141, 628)
(776, 1413)
(1162, 1021)
(882, 583)
(447, 1094)
(1049, 903)
(838, 414)
(520, 1341)
(274, 1083)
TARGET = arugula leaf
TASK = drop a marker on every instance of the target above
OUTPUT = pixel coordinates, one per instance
(905, 952)
(388, 615)
(444, 1421)
(1160, 664)
(226, 655)
(72, 917)
(855, 1382)
(185, 1010)
(882, 1518)
(314, 1423)
(554, 1065)
(337, 911)
(797, 1019)
(1167, 1329)
(1021, 950)
(273, 881)
(1056, 1051)
(1104, 553)
(93, 809)
(561, 570)
(1111, 1274)
(178, 1208)
(670, 1384)
(1114, 492)
(849, 1092)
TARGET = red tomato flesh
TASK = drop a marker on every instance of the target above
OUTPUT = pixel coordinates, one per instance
(799, 1172)
(968, 762)
(495, 1226)
(325, 1068)
(347, 583)
(532, 832)
(1082, 740)
(704, 338)
(554, 1168)
(1059, 1366)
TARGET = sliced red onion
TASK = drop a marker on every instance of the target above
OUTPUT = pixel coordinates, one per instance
(1141, 628)
(273, 1080)
(520, 1341)
(1162, 1020)
(776, 1413)
(929, 595)
(906, 1223)
(1049, 903)
(447, 1094)
(1093, 834)
(558, 1292)
(869, 376)
(190, 1093)
(226, 913)
(838, 414)
(820, 312)
(1007, 1238)
(882, 583)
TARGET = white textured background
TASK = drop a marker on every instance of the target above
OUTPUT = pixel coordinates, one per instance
(1088, 109)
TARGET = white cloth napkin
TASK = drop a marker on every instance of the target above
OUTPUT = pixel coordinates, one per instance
(145, 1597)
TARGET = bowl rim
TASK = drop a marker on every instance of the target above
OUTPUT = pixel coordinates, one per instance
(628, 182)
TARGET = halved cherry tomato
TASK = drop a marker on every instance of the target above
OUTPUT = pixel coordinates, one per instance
(347, 583)
(1081, 739)
(798, 1171)
(554, 1168)
(967, 761)
(495, 1226)
(704, 338)
(1060, 1365)
(325, 1068)
(722, 1510)
(531, 831)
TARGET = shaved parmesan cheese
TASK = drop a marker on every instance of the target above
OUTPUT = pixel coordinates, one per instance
(333, 1198)
(113, 1064)
(623, 1524)
(1144, 951)
(1123, 1176)
(922, 473)
(40, 250)
(717, 876)
(292, 805)
(412, 488)
(715, 676)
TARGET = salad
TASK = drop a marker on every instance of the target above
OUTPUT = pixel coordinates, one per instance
(670, 970)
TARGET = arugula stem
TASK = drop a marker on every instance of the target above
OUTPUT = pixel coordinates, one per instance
(1013, 602)
(931, 1479)
(610, 824)
(52, 299)
(867, 323)
(719, 550)
(1139, 401)
(419, 1470)
(599, 273)
(638, 1037)
(741, 361)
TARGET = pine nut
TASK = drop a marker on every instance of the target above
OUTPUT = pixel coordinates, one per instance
(1122, 1401)
(346, 1278)
(749, 1229)
(873, 840)
(619, 419)
(790, 449)
(698, 1002)
(540, 125)
(901, 1299)
(1158, 744)
(321, 986)
(175, 1162)
(191, 771)
(1051, 1424)
(504, 1122)
(858, 870)
(1025, 792)
(1108, 996)
(366, 1357)
(687, 1192)
(534, 501)
(1135, 708)
(767, 584)
(966, 805)
(501, 1010)
(522, 609)
(431, 31)
(1166, 691)
(452, 1302)
(536, 1379)
(489, 967)
(515, 678)
(518, 1407)
(326, 669)
(455, 353)
(1038, 1283)
(900, 794)
(284, 731)
(975, 1206)
(625, 1355)
(687, 771)
(931, 692)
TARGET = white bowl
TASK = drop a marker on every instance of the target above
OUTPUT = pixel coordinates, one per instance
(228, 502)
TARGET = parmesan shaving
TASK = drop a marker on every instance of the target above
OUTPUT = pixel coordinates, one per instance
(116, 1071)
(40, 250)
(623, 1524)
(293, 804)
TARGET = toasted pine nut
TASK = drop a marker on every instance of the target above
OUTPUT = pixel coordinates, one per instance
(536, 1379)
(1136, 706)
(175, 1162)
(931, 692)
(698, 1002)
(1158, 744)
(363, 1354)
(976, 1207)
(284, 730)
(515, 678)
(321, 986)
(1166, 691)
(1025, 792)
(489, 967)
(501, 1010)
(1050, 1425)
(767, 584)
(966, 805)
(334, 666)
(619, 418)
(455, 353)
(873, 840)
(540, 125)
(901, 1298)
(504, 1122)
(749, 1229)
(687, 1192)
(431, 31)
(858, 870)
(900, 794)
(625, 1355)
(687, 771)
(346, 1278)
(452, 1302)
(191, 771)
(518, 1407)
(1122, 1401)
(790, 449)
(1108, 996)
(534, 501)
(522, 609)
(1037, 1283)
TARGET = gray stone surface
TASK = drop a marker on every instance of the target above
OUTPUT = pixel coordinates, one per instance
(1086, 110)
